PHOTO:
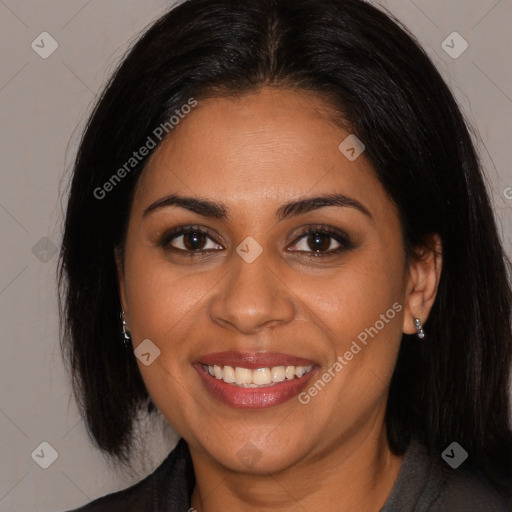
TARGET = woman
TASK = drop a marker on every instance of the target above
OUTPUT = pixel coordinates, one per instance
(279, 205)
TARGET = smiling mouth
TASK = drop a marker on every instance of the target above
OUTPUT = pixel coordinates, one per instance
(255, 378)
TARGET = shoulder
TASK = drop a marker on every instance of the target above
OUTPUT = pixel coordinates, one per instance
(468, 491)
(426, 483)
(170, 484)
(137, 497)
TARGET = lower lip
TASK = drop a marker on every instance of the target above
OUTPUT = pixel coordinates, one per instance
(253, 398)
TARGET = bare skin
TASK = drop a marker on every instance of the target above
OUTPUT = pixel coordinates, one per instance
(253, 155)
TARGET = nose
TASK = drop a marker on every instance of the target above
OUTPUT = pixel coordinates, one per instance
(252, 297)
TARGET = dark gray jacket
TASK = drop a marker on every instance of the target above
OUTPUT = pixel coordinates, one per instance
(423, 485)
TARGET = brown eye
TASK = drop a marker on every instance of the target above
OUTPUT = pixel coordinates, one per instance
(194, 241)
(319, 242)
(189, 240)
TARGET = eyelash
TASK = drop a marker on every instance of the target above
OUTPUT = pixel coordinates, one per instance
(333, 233)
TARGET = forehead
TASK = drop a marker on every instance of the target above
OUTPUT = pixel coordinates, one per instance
(269, 146)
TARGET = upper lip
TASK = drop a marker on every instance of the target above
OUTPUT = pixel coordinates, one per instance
(252, 360)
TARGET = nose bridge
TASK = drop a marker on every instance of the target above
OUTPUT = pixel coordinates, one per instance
(252, 296)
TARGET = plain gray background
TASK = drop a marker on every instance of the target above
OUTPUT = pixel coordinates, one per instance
(44, 104)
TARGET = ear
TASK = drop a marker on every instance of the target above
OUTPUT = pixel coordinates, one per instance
(422, 281)
(118, 256)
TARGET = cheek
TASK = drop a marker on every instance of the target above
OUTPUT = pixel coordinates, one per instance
(359, 308)
(161, 299)
(355, 295)
(164, 305)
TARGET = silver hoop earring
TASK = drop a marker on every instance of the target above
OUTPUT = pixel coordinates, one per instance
(419, 328)
(127, 339)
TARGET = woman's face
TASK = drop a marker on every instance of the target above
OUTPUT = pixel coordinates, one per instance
(286, 283)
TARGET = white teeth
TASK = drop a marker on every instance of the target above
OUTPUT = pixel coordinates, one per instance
(228, 374)
(246, 377)
(261, 376)
(217, 370)
(300, 371)
(243, 376)
(278, 374)
(290, 372)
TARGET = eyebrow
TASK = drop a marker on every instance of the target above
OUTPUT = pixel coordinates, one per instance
(220, 211)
